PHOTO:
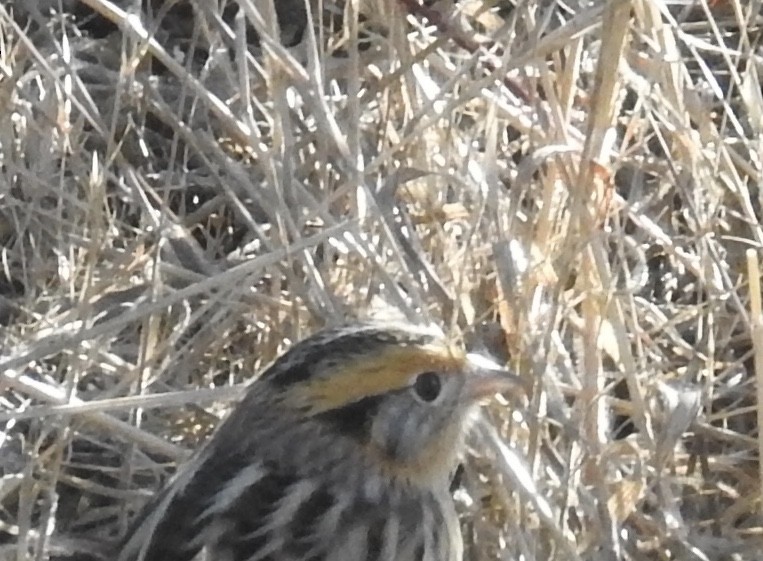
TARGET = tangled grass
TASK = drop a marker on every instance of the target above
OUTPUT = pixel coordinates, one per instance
(187, 187)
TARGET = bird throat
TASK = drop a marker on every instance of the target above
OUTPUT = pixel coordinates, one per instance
(430, 466)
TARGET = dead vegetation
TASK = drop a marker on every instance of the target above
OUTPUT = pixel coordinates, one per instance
(186, 188)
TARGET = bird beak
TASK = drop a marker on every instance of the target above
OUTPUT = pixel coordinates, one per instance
(487, 378)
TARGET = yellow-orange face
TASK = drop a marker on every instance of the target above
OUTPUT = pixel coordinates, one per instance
(404, 394)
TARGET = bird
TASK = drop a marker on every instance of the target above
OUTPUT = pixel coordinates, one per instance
(341, 450)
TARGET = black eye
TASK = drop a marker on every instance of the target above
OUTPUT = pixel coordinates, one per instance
(427, 386)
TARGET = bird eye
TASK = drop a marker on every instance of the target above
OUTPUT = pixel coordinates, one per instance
(427, 386)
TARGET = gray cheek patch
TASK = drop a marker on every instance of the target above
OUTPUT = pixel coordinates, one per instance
(401, 438)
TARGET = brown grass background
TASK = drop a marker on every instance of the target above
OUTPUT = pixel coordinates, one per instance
(187, 187)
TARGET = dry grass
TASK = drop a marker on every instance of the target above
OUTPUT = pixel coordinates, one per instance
(572, 186)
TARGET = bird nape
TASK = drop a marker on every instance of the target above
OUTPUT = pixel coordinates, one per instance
(343, 449)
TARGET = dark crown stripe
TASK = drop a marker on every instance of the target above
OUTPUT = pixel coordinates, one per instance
(299, 363)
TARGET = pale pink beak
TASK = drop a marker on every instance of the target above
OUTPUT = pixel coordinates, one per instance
(486, 378)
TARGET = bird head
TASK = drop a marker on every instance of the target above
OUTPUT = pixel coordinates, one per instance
(393, 396)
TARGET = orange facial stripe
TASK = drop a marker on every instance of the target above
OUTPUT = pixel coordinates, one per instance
(378, 374)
